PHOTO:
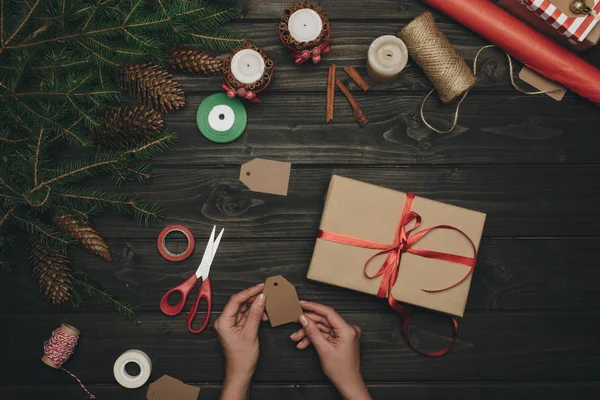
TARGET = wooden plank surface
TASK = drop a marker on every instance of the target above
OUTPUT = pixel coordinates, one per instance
(413, 391)
(531, 327)
(511, 274)
(538, 346)
(519, 200)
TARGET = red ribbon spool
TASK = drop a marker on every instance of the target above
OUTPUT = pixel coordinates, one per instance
(162, 248)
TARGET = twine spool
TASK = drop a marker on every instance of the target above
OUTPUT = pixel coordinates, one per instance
(59, 348)
(431, 50)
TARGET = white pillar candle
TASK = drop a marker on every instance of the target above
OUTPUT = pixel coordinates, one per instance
(247, 66)
(387, 57)
(305, 25)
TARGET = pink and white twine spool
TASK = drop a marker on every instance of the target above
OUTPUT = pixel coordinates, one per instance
(59, 348)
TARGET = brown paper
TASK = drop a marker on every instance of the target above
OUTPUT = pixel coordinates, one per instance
(169, 388)
(565, 7)
(542, 83)
(266, 176)
(372, 212)
(282, 304)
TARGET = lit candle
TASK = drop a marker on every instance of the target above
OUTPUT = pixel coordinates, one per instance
(247, 66)
(387, 57)
(305, 25)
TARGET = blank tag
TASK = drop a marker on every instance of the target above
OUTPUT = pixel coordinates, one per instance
(542, 83)
(266, 176)
(282, 304)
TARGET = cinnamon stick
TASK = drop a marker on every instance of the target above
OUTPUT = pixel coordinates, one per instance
(359, 115)
(356, 77)
(330, 94)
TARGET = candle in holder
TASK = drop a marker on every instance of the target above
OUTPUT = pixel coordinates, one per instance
(305, 25)
(386, 58)
(247, 66)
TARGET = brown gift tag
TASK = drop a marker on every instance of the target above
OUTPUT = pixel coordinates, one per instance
(542, 83)
(169, 388)
(266, 176)
(282, 304)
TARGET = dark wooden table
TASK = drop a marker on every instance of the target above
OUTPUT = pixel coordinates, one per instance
(530, 163)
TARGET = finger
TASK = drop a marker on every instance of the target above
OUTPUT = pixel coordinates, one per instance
(317, 319)
(301, 334)
(357, 329)
(334, 319)
(237, 300)
(239, 317)
(303, 344)
(323, 328)
(257, 309)
(264, 317)
(314, 334)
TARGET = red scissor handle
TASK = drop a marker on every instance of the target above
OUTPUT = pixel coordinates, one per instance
(184, 289)
(206, 295)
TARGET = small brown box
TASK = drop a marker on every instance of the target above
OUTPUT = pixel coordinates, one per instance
(516, 8)
(372, 213)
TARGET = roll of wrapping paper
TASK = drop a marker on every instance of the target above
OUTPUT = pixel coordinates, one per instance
(524, 43)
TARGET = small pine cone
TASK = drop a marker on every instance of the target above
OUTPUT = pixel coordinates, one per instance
(195, 62)
(83, 232)
(128, 126)
(152, 86)
(52, 272)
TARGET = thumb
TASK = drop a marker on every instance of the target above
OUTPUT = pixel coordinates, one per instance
(313, 333)
(255, 314)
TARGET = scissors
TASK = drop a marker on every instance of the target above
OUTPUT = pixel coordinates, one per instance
(186, 287)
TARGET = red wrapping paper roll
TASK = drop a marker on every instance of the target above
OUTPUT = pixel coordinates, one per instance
(525, 44)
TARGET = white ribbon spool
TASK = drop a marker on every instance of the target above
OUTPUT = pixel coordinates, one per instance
(221, 118)
(137, 357)
(305, 25)
(247, 66)
(386, 58)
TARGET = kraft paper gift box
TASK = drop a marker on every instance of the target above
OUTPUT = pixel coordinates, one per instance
(369, 212)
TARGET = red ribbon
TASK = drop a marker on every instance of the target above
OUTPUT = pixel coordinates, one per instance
(241, 92)
(300, 57)
(403, 242)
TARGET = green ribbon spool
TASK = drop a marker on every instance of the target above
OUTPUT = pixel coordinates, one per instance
(221, 119)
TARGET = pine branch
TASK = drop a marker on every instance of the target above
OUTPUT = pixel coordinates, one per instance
(84, 286)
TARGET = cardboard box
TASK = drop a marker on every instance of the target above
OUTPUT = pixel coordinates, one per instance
(370, 212)
(516, 8)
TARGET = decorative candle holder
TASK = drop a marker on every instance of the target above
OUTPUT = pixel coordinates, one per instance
(304, 29)
(247, 71)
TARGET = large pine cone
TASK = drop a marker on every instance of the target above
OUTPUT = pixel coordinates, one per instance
(195, 62)
(152, 86)
(124, 127)
(52, 272)
(83, 232)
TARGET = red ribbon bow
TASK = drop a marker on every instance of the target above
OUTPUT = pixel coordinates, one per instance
(403, 242)
(241, 92)
(300, 57)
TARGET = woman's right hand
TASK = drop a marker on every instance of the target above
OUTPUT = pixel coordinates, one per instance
(338, 346)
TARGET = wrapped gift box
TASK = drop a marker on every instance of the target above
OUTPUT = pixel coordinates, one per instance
(547, 19)
(361, 210)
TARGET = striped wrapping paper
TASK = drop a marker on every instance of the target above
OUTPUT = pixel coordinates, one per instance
(576, 29)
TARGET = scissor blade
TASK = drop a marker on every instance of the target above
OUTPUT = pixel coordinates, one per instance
(208, 254)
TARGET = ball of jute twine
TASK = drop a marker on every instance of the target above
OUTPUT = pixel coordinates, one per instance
(431, 50)
(445, 68)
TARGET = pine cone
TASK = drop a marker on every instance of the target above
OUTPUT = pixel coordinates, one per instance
(52, 272)
(195, 62)
(152, 86)
(83, 232)
(128, 126)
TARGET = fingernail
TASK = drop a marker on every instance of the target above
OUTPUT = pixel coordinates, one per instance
(303, 301)
(303, 320)
(261, 299)
(293, 335)
(261, 284)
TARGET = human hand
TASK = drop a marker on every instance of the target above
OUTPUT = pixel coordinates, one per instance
(237, 327)
(338, 346)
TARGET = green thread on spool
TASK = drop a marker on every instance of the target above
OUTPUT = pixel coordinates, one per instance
(230, 111)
